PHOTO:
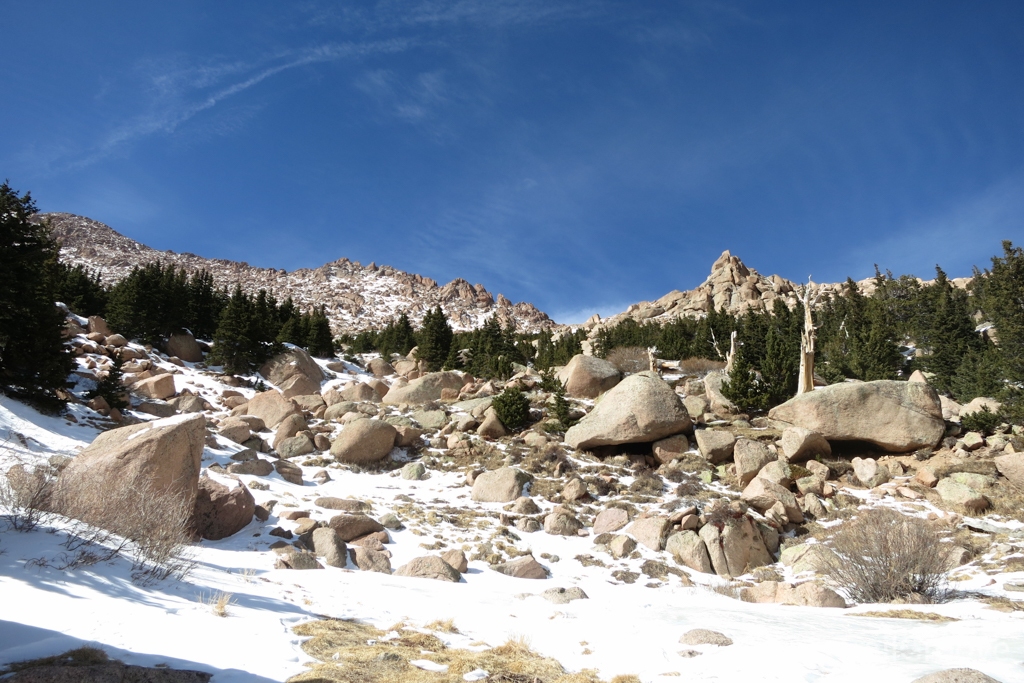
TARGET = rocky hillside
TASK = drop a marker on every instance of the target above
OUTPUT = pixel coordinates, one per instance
(357, 297)
(734, 287)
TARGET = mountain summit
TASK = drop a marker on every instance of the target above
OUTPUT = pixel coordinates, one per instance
(357, 297)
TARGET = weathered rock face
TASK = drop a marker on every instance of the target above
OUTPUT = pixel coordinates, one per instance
(183, 345)
(689, 550)
(271, 407)
(651, 531)
(588, 377)
(328, 545)
(424, 389)
(294, 372)
(735, 547)
(716, 445)
(502, 485)
(750, 456)
(641, 408)
(221, 512)
(364, 441)
(162, 456)
(610, 519)
(895, 416)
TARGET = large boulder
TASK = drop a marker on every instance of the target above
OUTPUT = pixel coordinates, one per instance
(716, 445)
(750, 457)
(1011, 466)
(956, 676)
(761, 494)
(271, 407)
(720, 405)
(380, 367)
(525, 567)
(689, 550)
(736, 547)
(162, 456)
(425, 389)
(158, 387)
(350, 527)
(221, 511)
(184, 346)
(641, 408)
(364, 441)
(294, 372)
(588, 377)
(502, 485)
(895, 416)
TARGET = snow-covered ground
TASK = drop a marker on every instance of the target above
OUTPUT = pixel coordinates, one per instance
(620, 629)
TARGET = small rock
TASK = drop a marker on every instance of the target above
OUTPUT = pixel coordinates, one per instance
(703, 636)
(414, 471)
(525, 567)
(561, 596)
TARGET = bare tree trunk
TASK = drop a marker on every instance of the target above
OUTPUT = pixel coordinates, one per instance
(805, 381)
(732, 353)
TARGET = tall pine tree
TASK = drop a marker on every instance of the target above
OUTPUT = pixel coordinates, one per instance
(435, 339)
(34, 362)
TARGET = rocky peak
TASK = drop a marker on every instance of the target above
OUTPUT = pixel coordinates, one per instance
(357, 297)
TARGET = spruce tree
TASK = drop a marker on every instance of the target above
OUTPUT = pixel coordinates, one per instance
(952, 333)
(743, 386)
(34, 362)
(319, 341)
(435, 339)
(779, 368)
(111, 387)
(233, 344)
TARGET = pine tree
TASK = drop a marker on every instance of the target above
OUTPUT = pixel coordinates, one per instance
(33, 359)
(952, 333)
(233, 344)
(319, 341)
(111, 387)
(80, 290)
(743, 386)
(435, 339)
(779, 368)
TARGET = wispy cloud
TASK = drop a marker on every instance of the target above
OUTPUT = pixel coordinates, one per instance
(392, 14)
(974, 225)
(181, 94)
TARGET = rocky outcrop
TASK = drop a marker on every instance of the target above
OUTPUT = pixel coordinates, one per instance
(294, 372)
(184, 346)
(502, 485)
(641, 408)
(271, 407)
(356, 297)
(894, 416)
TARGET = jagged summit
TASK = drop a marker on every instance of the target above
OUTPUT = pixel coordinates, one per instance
(357, 297)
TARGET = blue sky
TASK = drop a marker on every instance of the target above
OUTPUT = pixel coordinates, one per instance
(581, 155)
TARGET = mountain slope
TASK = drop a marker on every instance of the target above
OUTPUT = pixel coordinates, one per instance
(357, 297)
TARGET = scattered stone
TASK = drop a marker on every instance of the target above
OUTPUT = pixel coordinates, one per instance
(328, 545)
(561, 522)
(351, 527)
(869, 473)
(651, 531)
(927, 478)
(294, 372)
(1011, 466)
(290, 472)
(158, 387)
(457, 559)
(491, 427)
(672, 448)
(414, 471)
(525, 506)
(271, 407)
(750, 457)
(808, 594)
(689, 550)
(525, 567)
(715, 445)
(502, 485)
(561, 596)
(610, 519)
(221, 511)
(343, 504)
(295, 446)
(799, 444)
(956, 493)
(621, 546)
(255, 467)
(575, 490)
(424, 389)
(762, 494)
(297, 559)
(184, 346)
(703, 636)
(430, 567)
(370, 560)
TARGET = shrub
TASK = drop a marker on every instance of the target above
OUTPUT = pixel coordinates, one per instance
(882, 556)
(512, 407)
(153, 526)
(25, 495)
(984, 421)
(699, 366)
(629, 359)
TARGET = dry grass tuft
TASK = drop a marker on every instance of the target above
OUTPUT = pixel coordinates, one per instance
(351, 652)
(629, 359)
(699, 366)
(906, 614)
(219, 602)
(83, 656)
(1002, 604)
(884, 556)
(443, 625)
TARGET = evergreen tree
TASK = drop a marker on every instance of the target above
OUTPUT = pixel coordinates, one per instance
(435, 339)
(398, 337)
(33, 359)
(319, 341)
(952, 333)
(205, 304)
(779, 367)
(81, 290)
(1001, 294)
(743, 387)
(233, 344)
(111, 387)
